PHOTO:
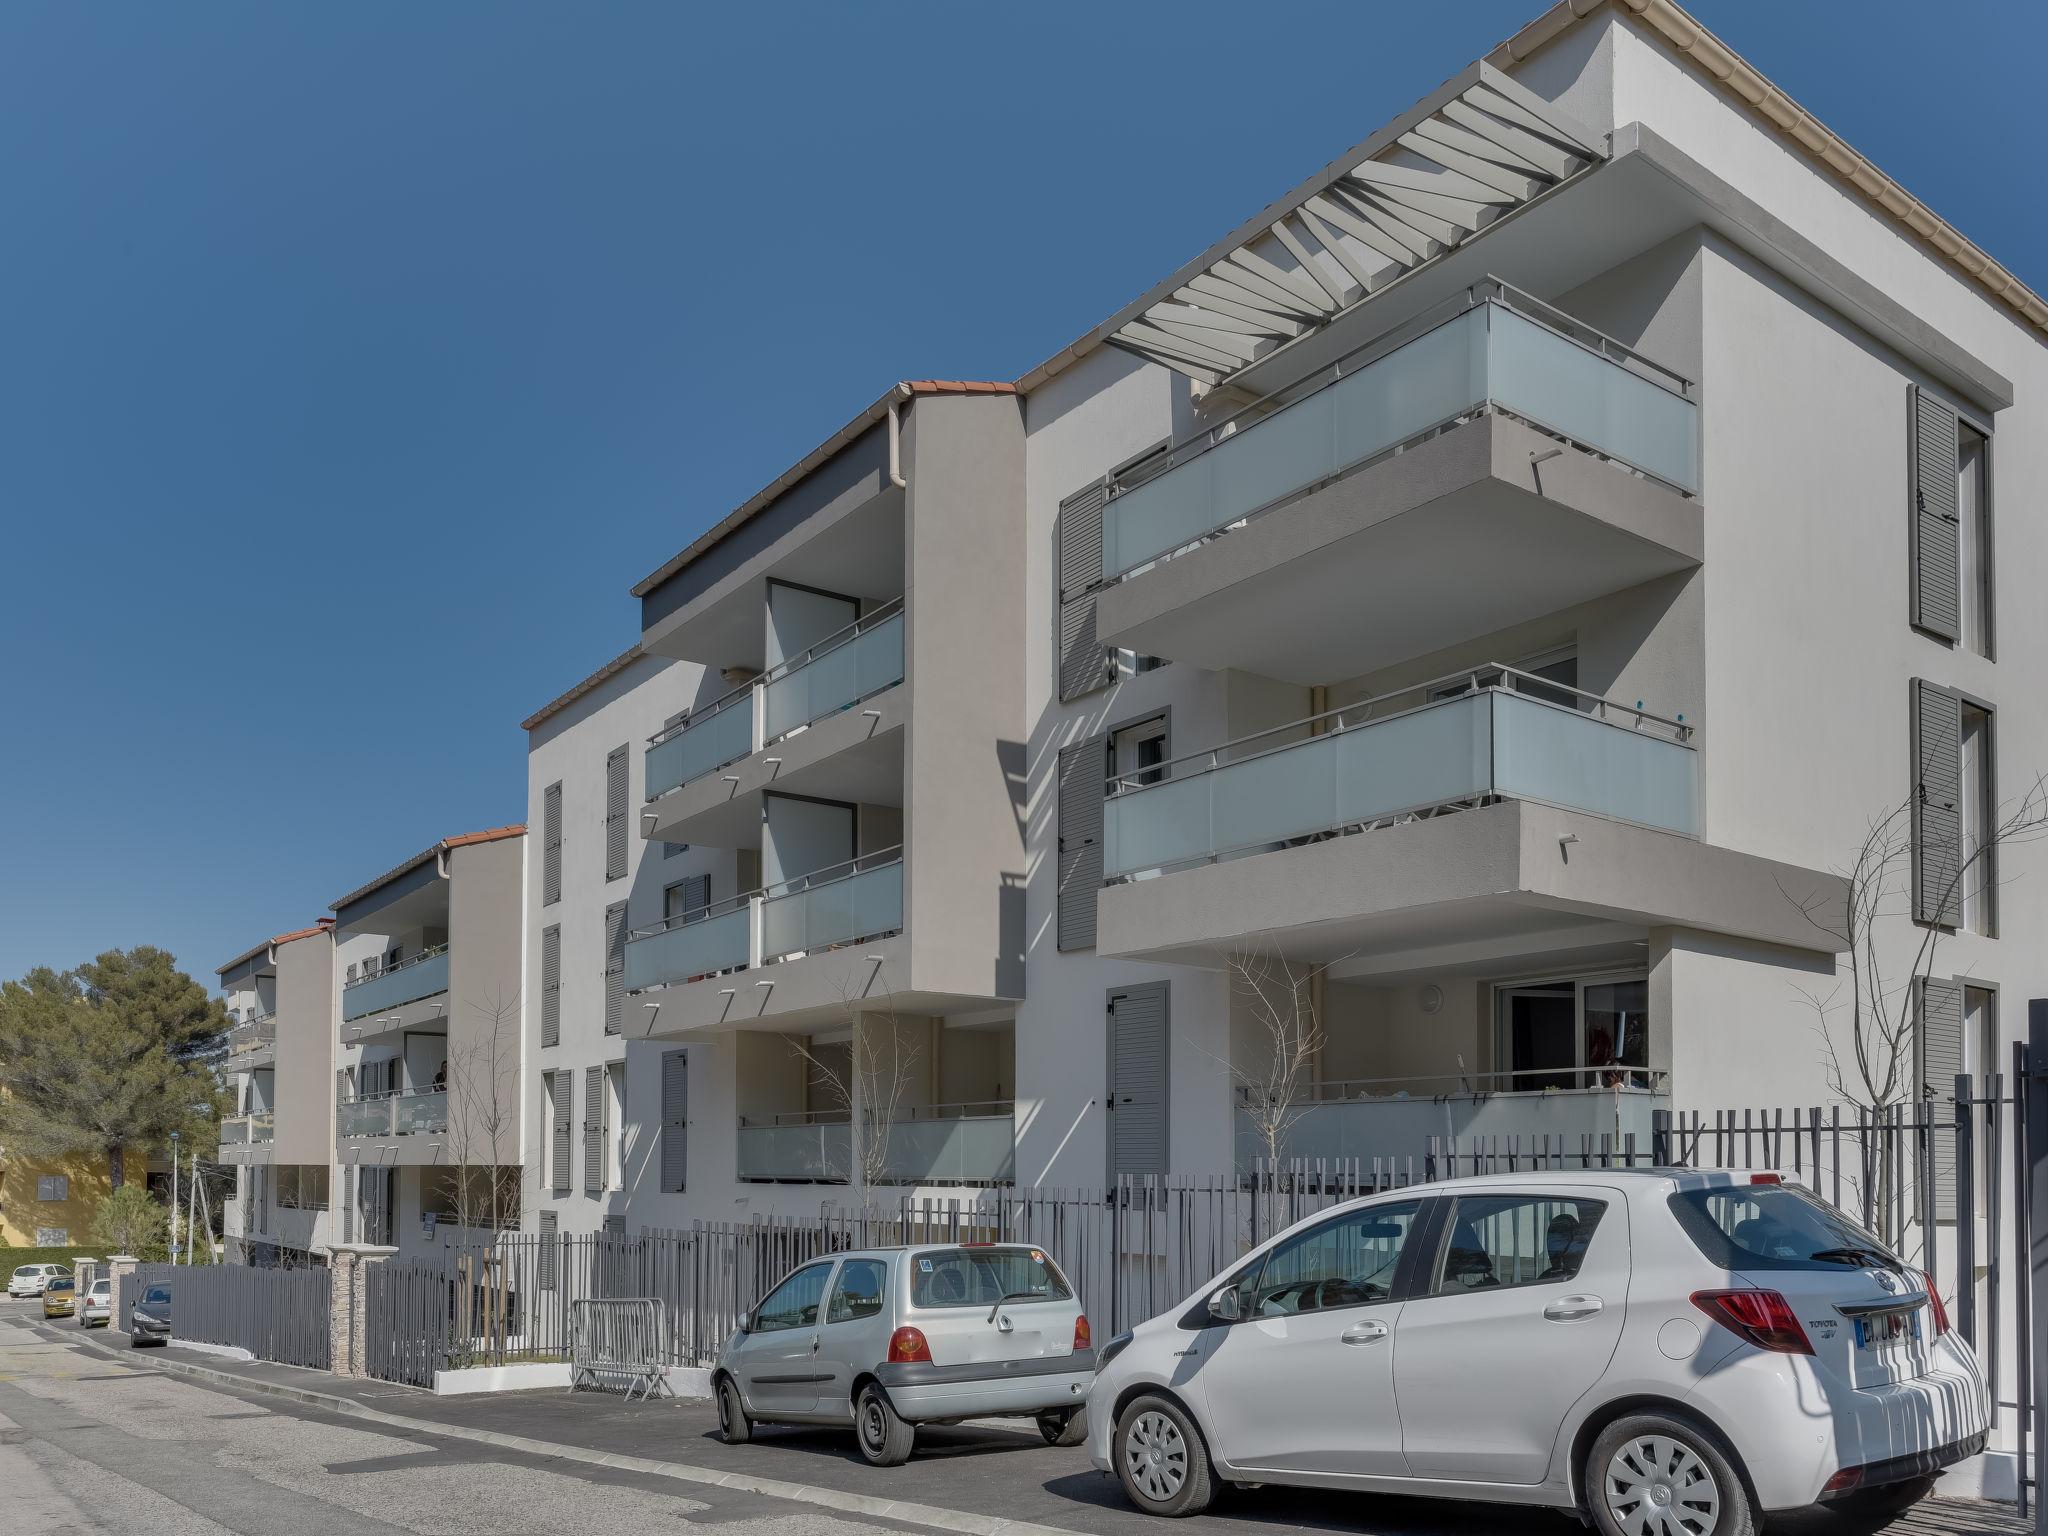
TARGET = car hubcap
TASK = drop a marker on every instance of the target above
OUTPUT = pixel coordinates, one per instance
(871, 1424)
(1657, 1486)
(1156, 1457)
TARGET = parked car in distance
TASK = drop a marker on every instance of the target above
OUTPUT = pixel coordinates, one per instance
(59, 1293)
(29, 1279)
(886, 1339)
(149, 1320)
(97, 1304)
(1663, 1350)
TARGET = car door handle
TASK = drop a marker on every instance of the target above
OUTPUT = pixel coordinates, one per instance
(1572, 1309)
(1363, 1333)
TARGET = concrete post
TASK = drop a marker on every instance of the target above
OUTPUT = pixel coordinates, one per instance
(346, 1303)
(119, 1267)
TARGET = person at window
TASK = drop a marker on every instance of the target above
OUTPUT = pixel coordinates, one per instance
(441, 1078)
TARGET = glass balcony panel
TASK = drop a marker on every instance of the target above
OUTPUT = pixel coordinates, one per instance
(835, 912)
(700, 747)
(822, 1152)
(841, 677)
(975, 1149)
(1166, 824)
(363, 1117)
(688, 950)
(1489, 353)
(234, 1132)
(1431, 756)
(422, 1112)
(1399, 1128)
(1559, 756)
(1276, 795)
(1594, 400)
(407, 983)
(263, 1126)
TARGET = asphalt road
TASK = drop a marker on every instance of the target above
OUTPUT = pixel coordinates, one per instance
(89, 1442)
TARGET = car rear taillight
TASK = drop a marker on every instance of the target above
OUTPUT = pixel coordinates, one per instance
(1083, 1339)
(1940, 1307)
(907, 1347)
(1764, 1318)
(1843, 1481)
(1767, 1178)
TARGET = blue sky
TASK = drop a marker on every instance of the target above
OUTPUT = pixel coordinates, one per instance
(357, 359)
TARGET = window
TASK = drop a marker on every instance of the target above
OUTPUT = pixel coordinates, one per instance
(981, 1277)
(675, 1122)
(1136, 753)
(794, 1303)
(1982, 1061)
(1973, 535)
(1774, 1226)
(859, 1291)
(1548, 1030)
(53, 1186)
(670, 850)
(1347, 1262)
(1978, 854)
(616, 840)
(551, 845)
(615, 1126)
(691, 894)
(1503, 1240)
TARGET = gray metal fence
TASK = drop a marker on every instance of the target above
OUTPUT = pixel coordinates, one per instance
(275, 1314)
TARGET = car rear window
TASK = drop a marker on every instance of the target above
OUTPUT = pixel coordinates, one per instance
(981, 1277)
(1775, 1226)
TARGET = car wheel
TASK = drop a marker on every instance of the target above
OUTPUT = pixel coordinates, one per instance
(885, 1439)
(1161, 1460)
(1063, 1426)
(1885, 1500)
(1650, 1474)
(734, 1427)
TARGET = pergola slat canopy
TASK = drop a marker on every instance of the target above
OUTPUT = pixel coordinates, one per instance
(1479, 148)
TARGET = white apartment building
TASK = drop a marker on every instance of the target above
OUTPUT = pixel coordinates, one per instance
(280, 1141)
(1495, 590)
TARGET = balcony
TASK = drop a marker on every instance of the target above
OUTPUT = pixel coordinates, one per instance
(248, 1130)
(1396, 1120)
(842, 905)
(252, 1044)
(1479, 468)
(1459, 742)
(402, 1129)
(839, 672)
(410, 981)
(930, 1144)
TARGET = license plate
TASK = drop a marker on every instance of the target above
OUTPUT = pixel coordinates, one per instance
(1886, 1328)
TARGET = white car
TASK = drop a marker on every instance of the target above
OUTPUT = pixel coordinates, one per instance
(1669, 1352)
(885, 1339)
(30, 1279)
(96, 1306)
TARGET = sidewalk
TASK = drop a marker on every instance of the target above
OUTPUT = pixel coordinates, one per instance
(984, 1479)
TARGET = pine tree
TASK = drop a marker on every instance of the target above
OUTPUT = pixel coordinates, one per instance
(102, 1058)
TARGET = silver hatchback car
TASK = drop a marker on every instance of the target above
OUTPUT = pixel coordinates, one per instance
(886, 1339)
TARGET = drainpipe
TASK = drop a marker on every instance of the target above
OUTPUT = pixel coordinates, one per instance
(1318, 701)
(896, 398)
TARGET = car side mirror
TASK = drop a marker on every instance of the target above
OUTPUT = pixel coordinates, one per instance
(1224, 1305)
(747, 1321)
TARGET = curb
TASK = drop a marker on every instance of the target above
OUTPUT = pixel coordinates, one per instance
(930, 1515)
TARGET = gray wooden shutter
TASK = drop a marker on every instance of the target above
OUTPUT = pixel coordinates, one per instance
(1082, 661)
(1137, 1080)
(1941, 1061)
(1937, 804)
(593, 1130)
(615, 968)
(696, 893)
(615, 814)
(1083, 769)
(1936, 525)
(550, 1244)
(551, 985)
(559, 1089)
(675, 1122)
(551, 845)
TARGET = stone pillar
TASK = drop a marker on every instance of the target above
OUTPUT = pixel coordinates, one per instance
(346, 1303)
(119, 1267)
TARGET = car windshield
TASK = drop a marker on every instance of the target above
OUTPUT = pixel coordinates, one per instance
(59, 1284)
(158, 1293)
(1775, 1226)
(981, 1277)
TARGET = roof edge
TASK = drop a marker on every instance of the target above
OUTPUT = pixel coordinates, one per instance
(320, 925)
(460, 840)
(602, 675)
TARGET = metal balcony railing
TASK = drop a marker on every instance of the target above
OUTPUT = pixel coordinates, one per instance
(847, 903)
(1490, 733)
(1499, 350)
(931, 1144)
(424, 975)
(843, 669)
(253, 1033)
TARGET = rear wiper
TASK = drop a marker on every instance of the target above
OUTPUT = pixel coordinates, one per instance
(1851, 1256)
(1011, 1296)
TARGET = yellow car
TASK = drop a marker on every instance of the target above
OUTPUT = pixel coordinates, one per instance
(59, 1296)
